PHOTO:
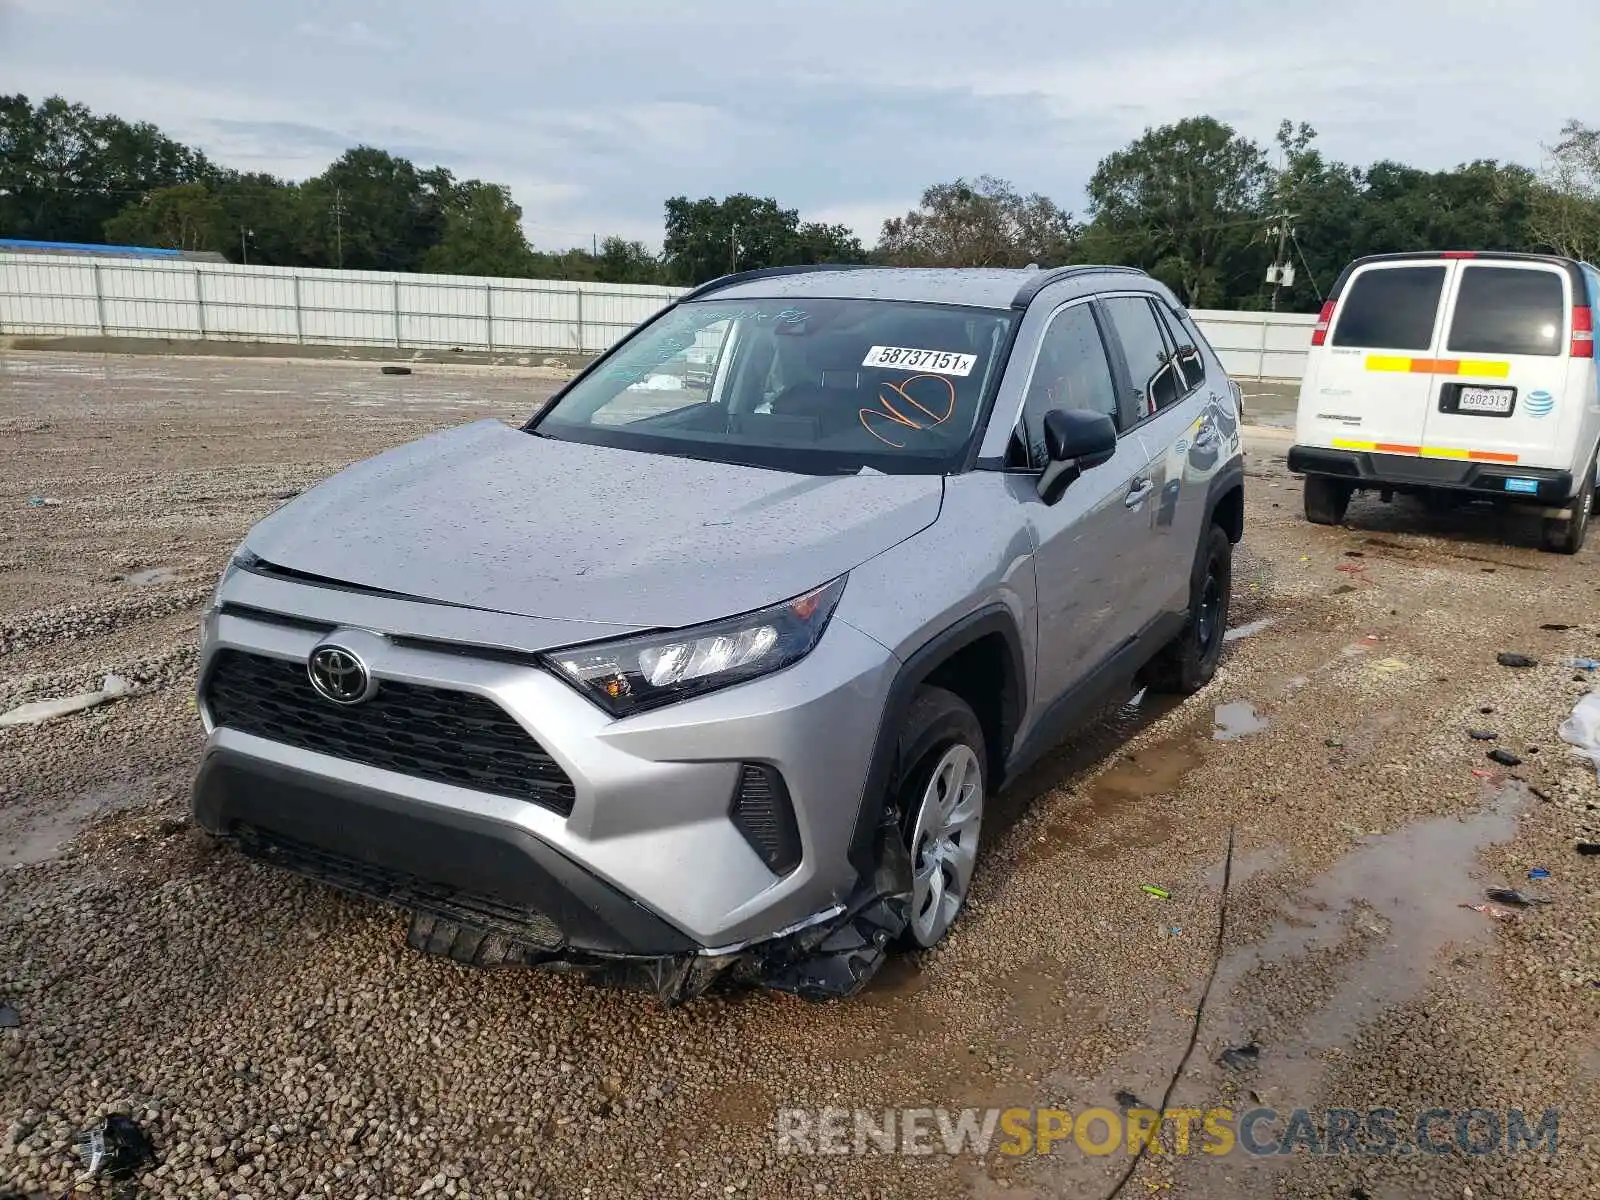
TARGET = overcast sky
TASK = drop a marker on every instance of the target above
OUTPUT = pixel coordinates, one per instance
(594, 111)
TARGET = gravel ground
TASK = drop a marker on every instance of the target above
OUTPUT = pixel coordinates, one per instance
(280, 1041)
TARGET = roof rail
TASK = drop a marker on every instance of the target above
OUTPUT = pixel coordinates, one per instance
(1043, 279)
(726, 281)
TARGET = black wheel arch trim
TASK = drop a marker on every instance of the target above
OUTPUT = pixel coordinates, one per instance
(1229, 479)
(994, 618)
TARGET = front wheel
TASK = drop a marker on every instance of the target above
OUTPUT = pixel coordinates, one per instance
(1567, 536)
(941, 793)
(1187, 664)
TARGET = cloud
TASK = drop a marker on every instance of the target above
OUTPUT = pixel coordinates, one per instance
(596, 111)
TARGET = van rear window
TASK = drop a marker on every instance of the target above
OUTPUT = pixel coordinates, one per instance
(1509, 310)
(1390, 308)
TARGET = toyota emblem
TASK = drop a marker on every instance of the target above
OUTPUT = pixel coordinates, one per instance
(339, 675)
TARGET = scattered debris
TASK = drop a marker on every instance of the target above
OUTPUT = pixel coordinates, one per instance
(1390, 666)
(1333, 743)
(1491, 910)
(1482, 735)
(1538, 873)
(1504, 757)
(1555, 628)
(287, 494)
(1588, 849)
(1485, 774)
(10, 1018)
(1514, 898)
(1160, 893)
(387, 370)
(1582, 729)
(1126, 1100)
(1355, 554)
(1237, 1058)
(116, 1149)
(1539, 793)
(1486, 709)
(1583, 664)
(1351, 568)
(1507, 658)
(114, 687)
(43, 502)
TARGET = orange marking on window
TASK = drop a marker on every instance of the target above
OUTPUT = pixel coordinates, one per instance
(898, 417)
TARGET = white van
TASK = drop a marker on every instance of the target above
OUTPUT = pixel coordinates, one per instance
(1455, 375)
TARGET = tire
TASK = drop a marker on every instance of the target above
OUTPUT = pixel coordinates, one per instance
(1567, 537)
(1327, 499)
(943, 758)
(1187, 663)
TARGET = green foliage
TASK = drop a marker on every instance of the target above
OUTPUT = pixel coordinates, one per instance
(1195, 203)
(482, 234)
(707, 238)
(1184, 202)
(985, 223)
(187, 216)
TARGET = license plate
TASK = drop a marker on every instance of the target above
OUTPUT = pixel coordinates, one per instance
(1484, 400)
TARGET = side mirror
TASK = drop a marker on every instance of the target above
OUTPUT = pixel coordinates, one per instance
(1075, 441)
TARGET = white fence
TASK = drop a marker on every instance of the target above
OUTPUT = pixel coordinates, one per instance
(51, 296)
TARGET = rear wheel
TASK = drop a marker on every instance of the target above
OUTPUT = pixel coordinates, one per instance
(1327, 499)
(1567, 536)
(1189, 661)
(941, 795)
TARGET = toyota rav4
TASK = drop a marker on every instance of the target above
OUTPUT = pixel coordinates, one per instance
(709, 670)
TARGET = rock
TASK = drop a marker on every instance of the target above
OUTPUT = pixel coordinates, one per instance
(1509, 658)
(1505, 758)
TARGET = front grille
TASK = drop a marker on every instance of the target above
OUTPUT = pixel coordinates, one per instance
(428, 733)
(513, 923)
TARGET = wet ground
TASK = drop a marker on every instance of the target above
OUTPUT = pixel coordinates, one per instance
(1166, 918)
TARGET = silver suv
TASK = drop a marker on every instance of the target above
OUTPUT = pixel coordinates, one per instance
(710, 669)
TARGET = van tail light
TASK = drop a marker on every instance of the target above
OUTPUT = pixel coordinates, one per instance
(1582, 331)
(1319, 332)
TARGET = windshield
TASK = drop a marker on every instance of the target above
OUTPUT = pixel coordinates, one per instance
(813, 385)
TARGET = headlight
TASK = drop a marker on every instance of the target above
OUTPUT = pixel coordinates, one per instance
(645, 672)
(240, 560)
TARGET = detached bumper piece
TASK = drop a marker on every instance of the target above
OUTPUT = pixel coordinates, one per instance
(1372, 469)
(487, 895)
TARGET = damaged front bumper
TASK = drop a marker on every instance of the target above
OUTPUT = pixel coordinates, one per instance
(487, 896)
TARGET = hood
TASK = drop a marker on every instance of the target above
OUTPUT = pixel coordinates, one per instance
(489, 517)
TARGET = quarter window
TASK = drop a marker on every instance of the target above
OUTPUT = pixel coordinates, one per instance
(1509, 310)
(1390, 308)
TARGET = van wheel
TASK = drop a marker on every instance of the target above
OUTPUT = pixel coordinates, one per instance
(1327, 499)
(1187, 663)
(941, 795)
(1567, 537)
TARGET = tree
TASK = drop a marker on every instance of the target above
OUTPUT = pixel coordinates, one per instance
(1565, 208)
(985, 223)
(65, 172)
(374, 211)
(1185, 202)
(264, 219)
(707, 238)
(482, 234)
(186, 217)
(622, 261)
(1324, 203)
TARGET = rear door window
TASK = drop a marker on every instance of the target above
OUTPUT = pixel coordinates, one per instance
(1509, 310)
(1391, 308)
(1185, 344)
(1151, 369)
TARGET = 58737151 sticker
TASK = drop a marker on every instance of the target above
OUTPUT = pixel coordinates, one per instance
(904, 358)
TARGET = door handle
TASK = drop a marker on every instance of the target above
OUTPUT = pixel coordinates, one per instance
(1137, 493)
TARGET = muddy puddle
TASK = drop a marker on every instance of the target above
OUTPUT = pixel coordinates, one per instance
(151, 577)
(28, 836)
(1249, 629)
(1236, 720)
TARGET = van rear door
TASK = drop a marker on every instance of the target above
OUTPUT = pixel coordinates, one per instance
(1501, 376)
(1373, 383)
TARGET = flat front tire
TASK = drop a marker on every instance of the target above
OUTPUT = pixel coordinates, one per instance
(940, 794)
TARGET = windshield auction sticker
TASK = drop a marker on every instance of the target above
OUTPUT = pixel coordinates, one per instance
(904, 358)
